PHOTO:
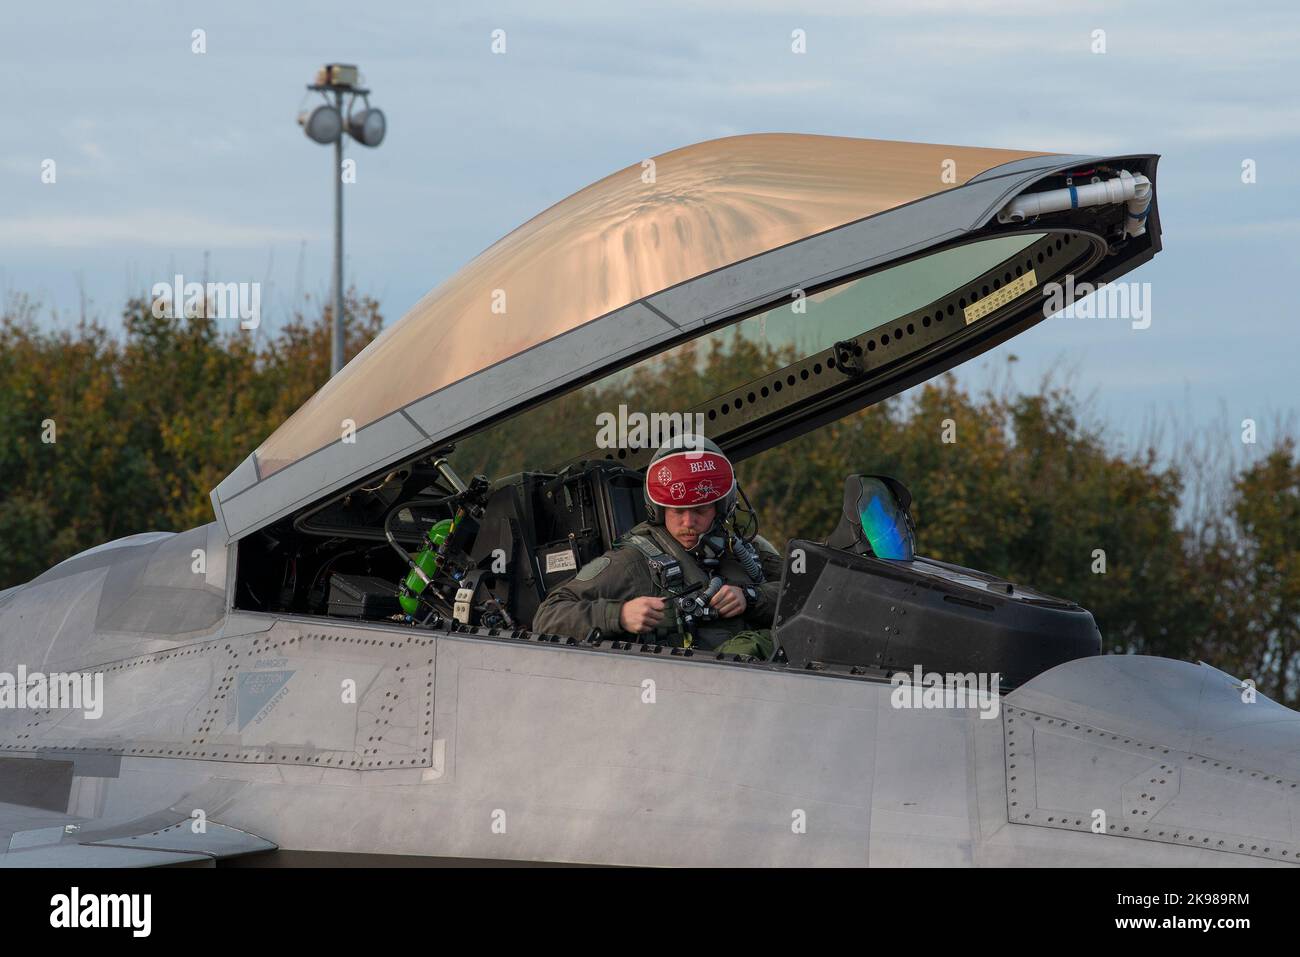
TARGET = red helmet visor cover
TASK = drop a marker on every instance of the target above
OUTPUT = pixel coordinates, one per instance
(689, 479)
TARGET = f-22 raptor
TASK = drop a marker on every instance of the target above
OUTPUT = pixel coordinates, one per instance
(340, 666)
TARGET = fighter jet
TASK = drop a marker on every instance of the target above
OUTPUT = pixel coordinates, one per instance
(340, 666)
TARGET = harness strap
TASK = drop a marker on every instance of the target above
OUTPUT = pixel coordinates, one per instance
(665, 571)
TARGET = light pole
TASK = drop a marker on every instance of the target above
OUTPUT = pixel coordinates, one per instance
(326, 124)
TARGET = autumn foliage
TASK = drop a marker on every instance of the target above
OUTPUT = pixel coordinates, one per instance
(148, 421)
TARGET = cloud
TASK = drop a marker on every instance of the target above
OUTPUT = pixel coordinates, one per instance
(585, 10)
(148, 228)
(1263, 229)
(772, 88)
(1246, 122)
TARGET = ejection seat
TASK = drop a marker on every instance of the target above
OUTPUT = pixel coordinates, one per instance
(550, 525)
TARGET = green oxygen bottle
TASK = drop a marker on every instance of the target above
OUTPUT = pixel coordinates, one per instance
(427, 561)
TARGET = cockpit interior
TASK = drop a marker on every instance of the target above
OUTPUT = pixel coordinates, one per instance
(474, 533)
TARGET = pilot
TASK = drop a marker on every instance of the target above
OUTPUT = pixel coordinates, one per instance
(684, 577)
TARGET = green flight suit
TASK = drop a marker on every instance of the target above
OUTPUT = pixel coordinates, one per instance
(594, 597)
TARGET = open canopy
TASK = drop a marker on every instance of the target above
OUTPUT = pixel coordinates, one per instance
(655, 254)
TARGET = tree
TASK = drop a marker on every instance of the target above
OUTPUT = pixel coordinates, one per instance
(106, 437)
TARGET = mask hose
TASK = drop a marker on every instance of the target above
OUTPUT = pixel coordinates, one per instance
(747, 555)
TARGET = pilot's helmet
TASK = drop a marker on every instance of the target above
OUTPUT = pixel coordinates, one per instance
(689, 471)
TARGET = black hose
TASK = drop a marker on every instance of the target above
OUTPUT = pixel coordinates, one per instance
(392, 539)
(747, 555)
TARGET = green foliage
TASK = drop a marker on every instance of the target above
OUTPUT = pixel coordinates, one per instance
(1015, 484)
(143, 426)
(1243, 578)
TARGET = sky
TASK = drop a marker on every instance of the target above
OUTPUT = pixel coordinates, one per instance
(173, 161)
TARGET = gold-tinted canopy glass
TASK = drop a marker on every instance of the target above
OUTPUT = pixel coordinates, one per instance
(632, 234)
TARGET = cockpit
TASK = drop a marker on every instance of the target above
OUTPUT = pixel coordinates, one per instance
(475, 533)
(470, 527)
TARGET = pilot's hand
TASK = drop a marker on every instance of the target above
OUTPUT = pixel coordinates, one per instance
(729, 601)
(640, 615)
